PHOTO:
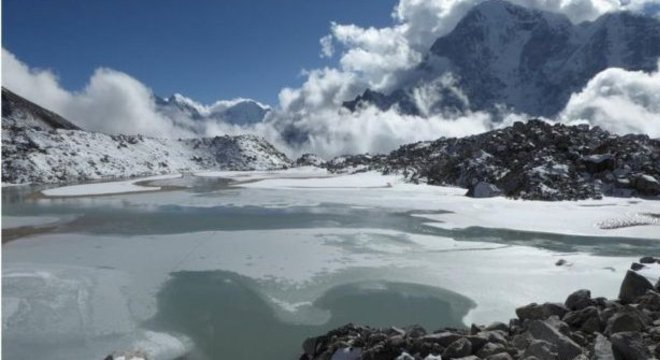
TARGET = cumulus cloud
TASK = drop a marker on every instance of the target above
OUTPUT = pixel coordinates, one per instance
(112, 102)
(384, 59)
(327, 47)
(619, 101)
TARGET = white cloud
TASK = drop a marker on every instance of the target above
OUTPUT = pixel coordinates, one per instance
(619, 101)
(112, 102)
(327, 47)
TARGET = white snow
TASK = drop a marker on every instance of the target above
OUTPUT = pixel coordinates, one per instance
(364, 180)
(75, 156)
(106, 188)
(586, 217)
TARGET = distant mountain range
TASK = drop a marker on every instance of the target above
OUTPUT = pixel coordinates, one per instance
(526, 60)
(181, 109)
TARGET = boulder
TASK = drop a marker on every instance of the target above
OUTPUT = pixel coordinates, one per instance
(648, 260)
(578, 300)
(567, 349)
(629, 346)
(498, 326)
(646, 185)
(624, 321)
(458, 349)
(490, 349)
(535, 311)
(542, 350)
(587, 319)
(636, 266)
(500, 356)
(443, 339)
(633, 286)
(598, 162)
(483, 190)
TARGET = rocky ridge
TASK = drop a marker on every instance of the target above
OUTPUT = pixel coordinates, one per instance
(581, 328)
(534, 160)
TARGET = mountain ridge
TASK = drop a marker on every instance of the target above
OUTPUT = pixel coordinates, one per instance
(526, 60)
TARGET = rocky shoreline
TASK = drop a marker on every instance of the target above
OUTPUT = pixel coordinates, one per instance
(581, 328)
(533, 161)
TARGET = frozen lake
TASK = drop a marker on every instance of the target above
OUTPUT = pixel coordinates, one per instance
(211, 270)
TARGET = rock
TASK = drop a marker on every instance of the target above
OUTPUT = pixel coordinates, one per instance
(624, 321)
(490, 349)
(648, 260)
(522, 341)
(560, 262)
(477, 341)
(534, 311)
(471, 357)
(542, 350)
(443, 339)
(603, 348)
(636, 266)
(629, 346)
(309, 160)
(474, 329)
(578, 300)
(587, 319)
(498, 326)
(500, 356)
(483, 190)
(633, 286)
(397, 341)
(459, 348)
(646, 185)
(649, 301)
(598, 162)
(566, 348)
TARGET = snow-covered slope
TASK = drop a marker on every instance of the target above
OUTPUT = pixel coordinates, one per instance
(38, 154)
(526, 59)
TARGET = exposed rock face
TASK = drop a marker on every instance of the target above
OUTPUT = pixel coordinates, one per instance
(483, 190)
(633, 286)
(38, 146)
(309, 160)
(549, 331)
(524, 59)
(17, 111)
(533, 160)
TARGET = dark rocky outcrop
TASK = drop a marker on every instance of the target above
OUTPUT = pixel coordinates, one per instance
(533, 160)
(584, 328)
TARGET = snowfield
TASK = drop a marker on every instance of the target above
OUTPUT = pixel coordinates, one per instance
(31, 155)
(621, 217)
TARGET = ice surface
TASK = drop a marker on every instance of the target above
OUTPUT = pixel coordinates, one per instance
(105, 188)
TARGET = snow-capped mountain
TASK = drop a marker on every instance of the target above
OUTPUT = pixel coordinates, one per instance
(39, 146)
(237, 112)
(524, 59)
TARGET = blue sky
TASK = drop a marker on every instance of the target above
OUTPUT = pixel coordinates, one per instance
(205, 49)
